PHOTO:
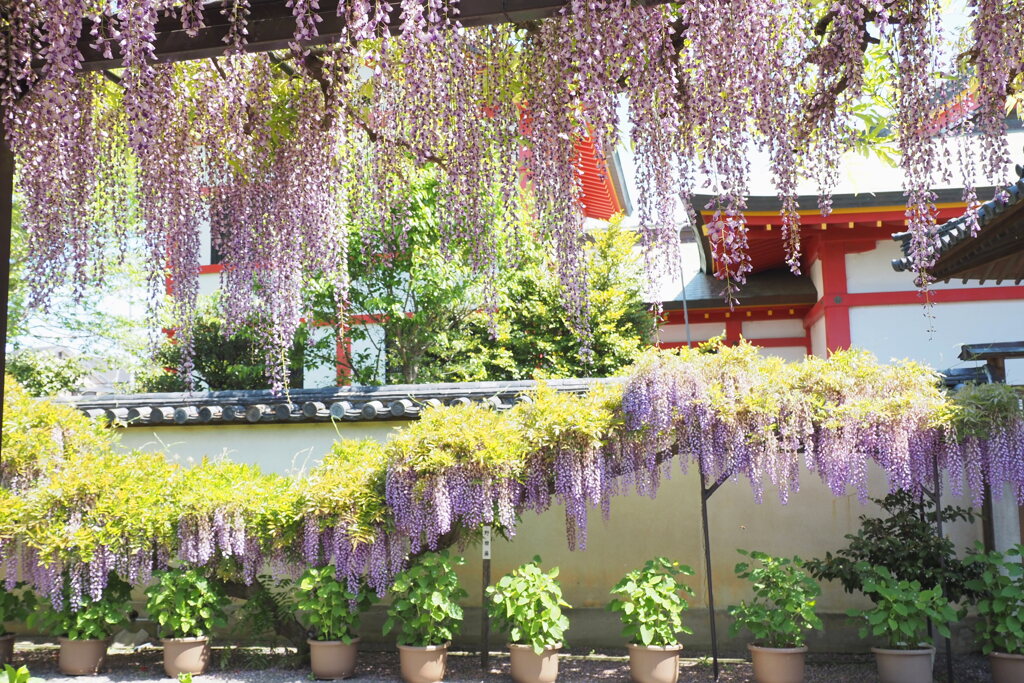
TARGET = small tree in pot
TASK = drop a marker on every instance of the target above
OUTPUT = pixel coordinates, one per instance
(900, 615)
(15, 606)
(186, 606)
(527, 603)
(85, 630)
(779, 616)
(425, 609)
(651, 607)
(332, 613)
(1000, 587)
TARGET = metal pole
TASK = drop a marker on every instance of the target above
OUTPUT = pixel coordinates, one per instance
(6, 226)
(938, 527)
(485, 619)
(706, 493)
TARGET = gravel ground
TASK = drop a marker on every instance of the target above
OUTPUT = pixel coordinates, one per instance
(261, 665)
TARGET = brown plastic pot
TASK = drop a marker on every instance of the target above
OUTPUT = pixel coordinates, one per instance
(332, 659)
(186, 655)
(529, 667)
(423, 664)
(1006, 668)
(654, 664)
(81, 657)
(778, 664)
(6, 648)
(904, 666)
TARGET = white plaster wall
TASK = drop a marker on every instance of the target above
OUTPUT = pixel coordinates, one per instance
(790, 353)
(872, 271)
(373, 348)
(209, 284)
(698, 331)
(325, 375)
(205, 244)
(773, 329)
(896, 332)
(817, 278)
(818, 347)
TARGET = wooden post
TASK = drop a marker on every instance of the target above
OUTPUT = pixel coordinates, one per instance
(485, 619)
(6, 226)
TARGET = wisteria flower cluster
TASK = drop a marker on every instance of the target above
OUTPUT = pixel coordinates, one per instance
(280, 152)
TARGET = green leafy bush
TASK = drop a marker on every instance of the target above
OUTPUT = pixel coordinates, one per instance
(94, 619)
(425, 601)
(1000, 590)
(782, 611)
(185, 604)
(19, 675)
(330, 609)
(527, 603)
(650, 605)
(902, 609)
(904, 542)
(15, 605)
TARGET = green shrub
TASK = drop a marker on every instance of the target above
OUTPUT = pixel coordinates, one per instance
(330, 609)
(902, 609)
(650, 605)
(782, 610)
(1000, 590)
(94, 619)
(527, 603)
(19, 675)
(185, 604)
(15, 605)
(425, 601)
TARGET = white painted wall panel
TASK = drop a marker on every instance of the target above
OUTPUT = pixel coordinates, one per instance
(773, 329)
(789, 353)
(209, 284)
(816, 277)
(818, 347)
(326, 375)
(872, 271)
(698, 331)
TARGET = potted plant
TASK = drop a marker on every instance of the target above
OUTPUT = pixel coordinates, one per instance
(187, 606)
(1000, 606)
(84, 632)
(900, 615)
(651, 607)
(779, 616)
(527, 604)
(332, 613)
(14, 606)
(425, 609)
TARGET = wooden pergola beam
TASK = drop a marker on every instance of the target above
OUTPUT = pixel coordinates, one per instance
(271, 26)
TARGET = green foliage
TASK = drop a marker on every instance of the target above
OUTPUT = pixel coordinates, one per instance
(94, 619)
(1000, 604)
(904, 542)
(650, 605)
(19, 675)
(528, 605)
(186, 604)
(985, 408)
(15, 605)
(782, 610)
(347, 488)
(330, 609)
(46, 374)
(425, 601)
(551, 420)
(902, 609)
(269, 603)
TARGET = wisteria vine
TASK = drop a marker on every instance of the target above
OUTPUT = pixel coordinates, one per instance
(284, 153)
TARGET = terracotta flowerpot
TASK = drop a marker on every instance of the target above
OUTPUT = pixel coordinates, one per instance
(330, 659)
(904, 666)
(186, 655)
(81, 657)
(423, 664)
(778, 664)
(6, 648)
(530, 667)
(1006, 668)
(654, 664)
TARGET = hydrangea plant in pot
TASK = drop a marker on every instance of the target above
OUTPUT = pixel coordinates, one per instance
(650, 606)
(1000, 605)
(332, 613)
(426, 612)
(527, 603)
(15, 606)
(84, 630)
(187, 606)
(900, 615)
(779, 616)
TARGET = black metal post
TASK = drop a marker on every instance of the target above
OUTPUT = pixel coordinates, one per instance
(705, 493)
(485, 619)
(6, 226)
(937, 498)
